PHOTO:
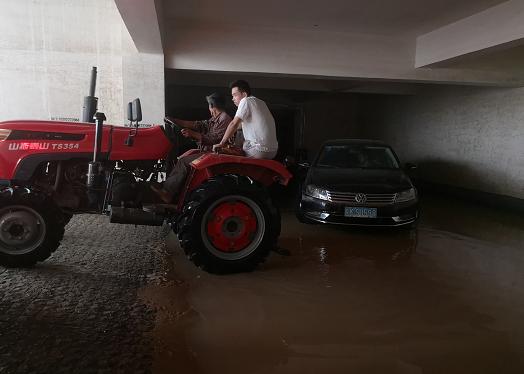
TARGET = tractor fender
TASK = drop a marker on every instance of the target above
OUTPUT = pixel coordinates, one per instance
(265, 172)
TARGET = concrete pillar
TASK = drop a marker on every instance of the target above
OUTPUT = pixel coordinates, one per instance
(47, 50)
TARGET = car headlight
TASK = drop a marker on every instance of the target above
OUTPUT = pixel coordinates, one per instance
(317, 193)
(406, 195)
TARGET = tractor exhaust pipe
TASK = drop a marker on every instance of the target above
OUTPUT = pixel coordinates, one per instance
(95, 176)
(92, 85)
(93, 173)
(99, 131)
(90, 102)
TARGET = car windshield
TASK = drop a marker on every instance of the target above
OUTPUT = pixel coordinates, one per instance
(357, 156)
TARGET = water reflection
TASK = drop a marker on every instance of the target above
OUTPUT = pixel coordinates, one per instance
(328, 246)
(354, 300)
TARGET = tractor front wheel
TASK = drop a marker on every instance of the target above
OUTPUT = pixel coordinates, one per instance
(229, 225)
(31, 227)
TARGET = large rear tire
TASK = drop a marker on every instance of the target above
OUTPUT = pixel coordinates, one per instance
(229, 225)
(31, 227)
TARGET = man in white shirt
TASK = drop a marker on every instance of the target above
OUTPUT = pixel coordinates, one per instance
(257, 122)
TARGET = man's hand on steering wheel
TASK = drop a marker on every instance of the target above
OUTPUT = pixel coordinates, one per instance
(218, 147)
(192, 134)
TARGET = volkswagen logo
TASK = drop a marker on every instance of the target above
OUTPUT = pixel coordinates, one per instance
(360, 198)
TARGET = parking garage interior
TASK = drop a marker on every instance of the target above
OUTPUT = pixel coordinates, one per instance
(441, 82)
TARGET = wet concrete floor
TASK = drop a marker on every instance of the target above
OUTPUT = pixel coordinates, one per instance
(446, 298)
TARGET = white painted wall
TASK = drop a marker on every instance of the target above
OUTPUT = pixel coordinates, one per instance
(466, 137)
(47, 49)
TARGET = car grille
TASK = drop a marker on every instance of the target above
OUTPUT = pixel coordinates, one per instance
(371, 199)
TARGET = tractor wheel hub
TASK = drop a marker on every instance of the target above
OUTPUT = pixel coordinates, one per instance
(232, 226)
(20, 230)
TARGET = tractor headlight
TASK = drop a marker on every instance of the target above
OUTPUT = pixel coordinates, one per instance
(317, 193)
(4, 134)
(406, 195)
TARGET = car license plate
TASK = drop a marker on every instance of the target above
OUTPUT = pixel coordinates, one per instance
(358, 212)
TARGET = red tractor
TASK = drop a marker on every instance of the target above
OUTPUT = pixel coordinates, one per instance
(225, 219)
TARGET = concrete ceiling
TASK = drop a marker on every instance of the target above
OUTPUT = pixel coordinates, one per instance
(398, 17)
(475, 42)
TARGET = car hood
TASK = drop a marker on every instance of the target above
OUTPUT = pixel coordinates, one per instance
(359, 180)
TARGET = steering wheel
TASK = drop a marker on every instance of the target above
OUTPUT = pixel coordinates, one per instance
(172, 131)
(174, 134)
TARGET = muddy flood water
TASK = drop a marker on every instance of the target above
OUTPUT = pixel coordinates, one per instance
(446, 298)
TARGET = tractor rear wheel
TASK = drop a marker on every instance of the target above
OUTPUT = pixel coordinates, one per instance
(31, 227)
(229, 225)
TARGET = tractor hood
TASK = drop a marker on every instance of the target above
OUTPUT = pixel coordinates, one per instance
(149, 143)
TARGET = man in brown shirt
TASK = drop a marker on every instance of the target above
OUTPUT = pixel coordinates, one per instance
(206, 133)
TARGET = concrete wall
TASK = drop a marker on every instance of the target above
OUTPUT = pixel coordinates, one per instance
(47, 49)
(461, 136)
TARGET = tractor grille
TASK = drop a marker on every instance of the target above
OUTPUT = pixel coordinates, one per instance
(371, 199)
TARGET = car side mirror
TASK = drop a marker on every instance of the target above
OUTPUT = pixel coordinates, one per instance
(289, 161)
(410, 166)
(302, 169)
(304, 165)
